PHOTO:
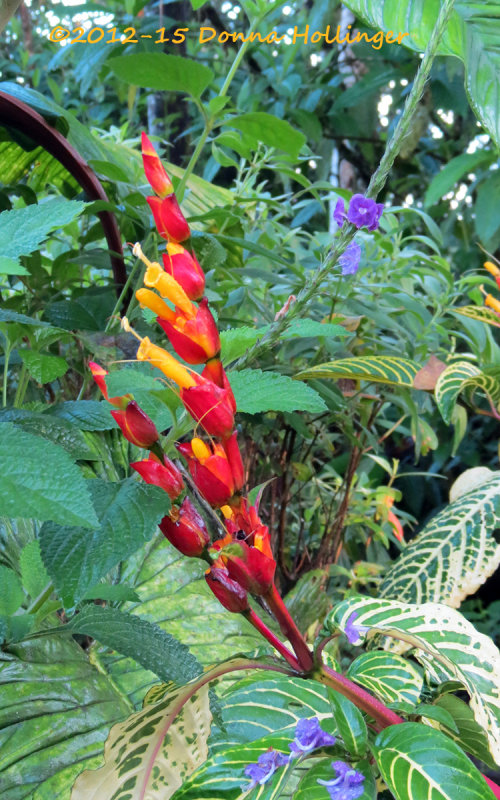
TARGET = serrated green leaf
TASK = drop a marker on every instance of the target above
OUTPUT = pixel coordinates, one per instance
(88, 415)
(36, 222)
(33, 573)
(270, 130)
(128, 515)
(58, 431)
(256, 391)
(453, 554)
(420, 763)
(11, 266)
(445, 643)
(112, 592)
(459, 377)
(163, 72)
(43, 368)
(390, 677)
(235, 341)
(11, 591)
(29, 489)
(6, 315)
(351, 724)
(379, 369)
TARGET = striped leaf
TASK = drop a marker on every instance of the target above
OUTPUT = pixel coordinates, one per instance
(351, 724)
(390, 677)
(480, 313)
(420, 763)
(152, 752)
(379, 369)
(310, 789)
(459, 377)
(442, 639)
(453, 554)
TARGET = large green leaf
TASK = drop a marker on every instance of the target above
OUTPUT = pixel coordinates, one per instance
(59, 431)
(459, 377)
(270, 130)
(454, 171)
(389, 676)
(257, 391)
(419, 763)
(472, 35)
(480, 313)
(163, 72)
(128, 515)
(38, 479)
(351, 724)
(379, 369)
(453, 554)
(36, 222)
(446, 644)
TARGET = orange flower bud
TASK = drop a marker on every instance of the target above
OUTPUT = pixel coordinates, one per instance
(169, 219)
(170, 367)
(154, 169)
(188, 533)
(165, 475)
(194, 339)
(229, 593)
(185, 268)
(168, 287)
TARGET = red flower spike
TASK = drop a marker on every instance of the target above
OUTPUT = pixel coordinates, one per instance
(136, 426)
(235, 462)
(165, 475)
(188, 533)
(249, 567)
(169, 218)
(210, 405)
(185, 268)
(229, 593)
(195, 339)
(154, 169)
(210, 471)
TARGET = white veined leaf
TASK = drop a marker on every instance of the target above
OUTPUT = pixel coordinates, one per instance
(379, 369)
(389, 676)
(453, 554)
(152, 752)
(459, 377)
(443, 639)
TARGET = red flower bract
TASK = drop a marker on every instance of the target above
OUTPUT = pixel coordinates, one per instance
(249, 566)
(195, 339)
(169, 218)
(188, 533)
(135, 425)
(165, 475)
(229, 593)
(154, 169)
(185, 268)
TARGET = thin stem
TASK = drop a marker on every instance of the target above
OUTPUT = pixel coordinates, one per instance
(311, 286)
(6, 360)
(118, 304)
(21, 387)
(41, 599)
(359, 696)
(289, 629)
(259, 625)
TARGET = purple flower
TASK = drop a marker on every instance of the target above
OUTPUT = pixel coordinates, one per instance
(352, 631)
(348, 785)
(364, 211)
(309, 736)
(266, 766)
(349, 260)
(339, 212)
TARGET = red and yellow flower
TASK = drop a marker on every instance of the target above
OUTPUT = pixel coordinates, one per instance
(165, 475)
(185, 528)
(216, 468)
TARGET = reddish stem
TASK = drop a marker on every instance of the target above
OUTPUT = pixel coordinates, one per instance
(360, 697)
(289, 629)
(256, 621)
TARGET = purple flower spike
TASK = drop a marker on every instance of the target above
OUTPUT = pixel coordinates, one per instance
(349, 260)
(363, 211)
(352, 631)
(339, 212)
(309, 736)
(348, 785)
(264, 769)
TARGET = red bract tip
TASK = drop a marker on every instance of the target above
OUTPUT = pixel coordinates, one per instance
(165, 475)
(229, 593)
(188, 532)
(135, 425)
(154, 169)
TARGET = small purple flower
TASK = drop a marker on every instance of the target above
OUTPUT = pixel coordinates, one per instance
(352, 631)
(364, 211)
(264, 769)
(339, 212)
(309, 736)
(349, 260)
(348, 785)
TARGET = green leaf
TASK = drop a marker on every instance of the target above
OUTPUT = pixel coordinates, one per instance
(310, 789)
(481, 313)
(420, 763)
(38, 479)
(163, 72)
(90, 312)
(256, 391)
(351, 724)
(88, 415)
(269, 130)
(236, 341)
(454, 553)
(153, 752)
(379, 369)
(488, 197)
(390, 677)
(6, 315)
(43, 368)
(11, 591)
(139, 639)
(112, 592)
(452, 172)
(445, 643)
(308, 601)
(11, 266)
(470, 736)
(35, 222)
(58, 431)
(128, 515)
(461, 376)
(472, 35)
(33, 573)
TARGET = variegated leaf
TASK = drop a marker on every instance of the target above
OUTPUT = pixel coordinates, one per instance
(453, 554)
(389, 676)
(154, 751)
(442, 639)
(459, 377)
(379, 369)
(310, 789)
(480, 313)
(420, 763)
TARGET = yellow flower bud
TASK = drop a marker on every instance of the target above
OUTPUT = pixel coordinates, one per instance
(168, 287)
(149, 299)
(201, 451)
(170, 367)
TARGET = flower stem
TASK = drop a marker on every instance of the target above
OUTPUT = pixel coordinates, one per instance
(289, 629)
(256, 621)
(360, 697)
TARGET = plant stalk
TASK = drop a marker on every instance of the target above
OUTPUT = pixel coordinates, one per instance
(289, 629)
(357, 695)
(260, 626)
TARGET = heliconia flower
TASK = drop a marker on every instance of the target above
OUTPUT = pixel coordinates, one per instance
(349, 260)
(195, 338)
(348, 784)
(267, 764)
(185, 268)
(212, 470)
(185, 528)
(249, 567)
(354, 632)
(229, 593)
(363, 211)
(154, 169)
(168, 287)
(169, 219)
(165, 475)
(209, 404)
(99, 376)
(309, 736)
(136, 426)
